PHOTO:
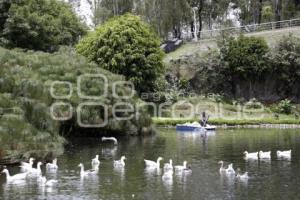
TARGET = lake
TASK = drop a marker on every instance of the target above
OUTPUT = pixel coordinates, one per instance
(275, 179)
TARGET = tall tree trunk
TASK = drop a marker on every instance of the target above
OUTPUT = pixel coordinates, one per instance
(260, 11)
(250, 89)
(114, 7)
(200, 25)
(175, 32)
(179, 31)
(210, 16)
(192, 28)
(278, 7)
(233, 88)
(200, 9)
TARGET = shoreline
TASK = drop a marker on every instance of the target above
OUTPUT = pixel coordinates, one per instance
(224, 124)
(258, 126)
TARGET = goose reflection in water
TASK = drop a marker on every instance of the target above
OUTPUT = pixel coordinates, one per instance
(167, 179)
(18, 186)
(109, 151)
(152, 172)
(120, 171)
(87, 183)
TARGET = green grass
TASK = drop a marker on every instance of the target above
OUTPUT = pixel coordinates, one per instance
(222, 113)
(198, 48)
(229, 122)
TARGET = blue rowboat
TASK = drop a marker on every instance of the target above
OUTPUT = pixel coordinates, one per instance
(194, 127)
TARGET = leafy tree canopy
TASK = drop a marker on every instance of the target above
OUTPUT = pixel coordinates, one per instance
(286, 62)
(126, 45)
(246, 56)
(38, 24)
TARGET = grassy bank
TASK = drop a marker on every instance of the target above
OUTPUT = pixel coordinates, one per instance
(204, 45)
(228, 122)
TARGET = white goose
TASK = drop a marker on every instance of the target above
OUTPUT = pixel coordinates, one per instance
(120, 163)
(153, 164)
(229, 170)
(95, 162)
(47, 183)
(222, 168)
(36, 171)
(16, 177)
(52, 166)
(180, 168)
(264, 155)
(253, 156)
(87, 172)
(242, 177)
(169, 166)
(284, 154)
(110, 139)
(25, 167)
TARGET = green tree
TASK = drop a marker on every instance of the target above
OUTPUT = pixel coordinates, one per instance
(251, 11)
(4, 7)
(175, 17)
(116, 7)
(289, 9)
(245, 58)
(126, 45)
(101, 12)
(267, 13)
(286, 62)
(156, 13)
(40, 25)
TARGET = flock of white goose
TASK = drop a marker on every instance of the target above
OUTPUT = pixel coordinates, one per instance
(168, 168)
(28, 171)
(267, 155)
(229, 171)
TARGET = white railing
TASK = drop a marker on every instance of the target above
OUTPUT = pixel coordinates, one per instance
(210, 34)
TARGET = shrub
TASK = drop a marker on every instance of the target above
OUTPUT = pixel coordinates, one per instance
(126, 45)
(217, 98)
(285, 107)
(38, 24)
(254, 104)
(246, 56)
(25, 119)
(286, 62)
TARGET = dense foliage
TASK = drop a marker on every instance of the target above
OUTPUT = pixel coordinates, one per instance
(126, 45)
(176, 16)
(285, 106)
(244, 58)
(38, 24)
(26, 124)
(245, 68)
(286, 63)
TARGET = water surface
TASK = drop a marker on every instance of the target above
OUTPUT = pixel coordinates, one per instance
(275, 179)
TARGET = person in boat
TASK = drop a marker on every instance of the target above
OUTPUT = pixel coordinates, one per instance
(204, 119)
